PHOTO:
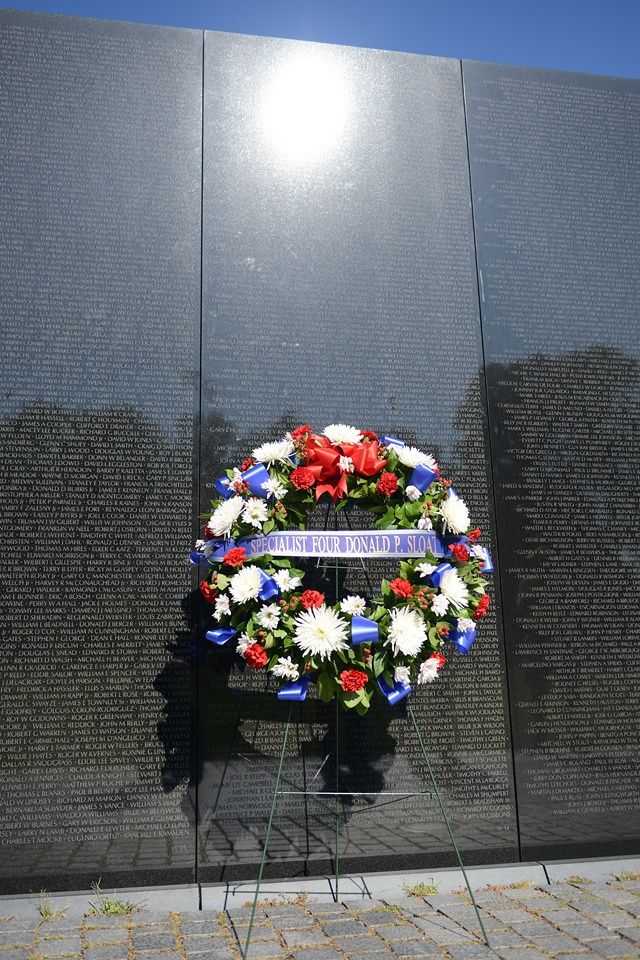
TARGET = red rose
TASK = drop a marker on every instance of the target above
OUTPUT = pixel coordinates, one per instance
(353, 680)
(481, 609)
(302, 478)
(208, 592)
(311, 599)
(235, 557)
(249, 462)
(256, 656)
(438, 659)
(368, 435)
(387, 484)
(474, 536)
(460, 552)
(402, 587)
(300, 432)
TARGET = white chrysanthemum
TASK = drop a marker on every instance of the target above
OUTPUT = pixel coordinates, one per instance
(274, 488)
(224, 517)
(454, 589)
(464, 624)
(199, 544)
(286, 668)
(341, 433)
(424, 523)
(346, 464)
(244, 641)
(321, 632)
(455, 514)
(222, 607)
(255, 512)
(269, 616)
(428, 670)
(277, 451)
(440, 605)
(354, 606)
(401, 675)
(413, 493)
(406, 632)
(412, 457)
(425, 569)
(245, 585)
(286, 581)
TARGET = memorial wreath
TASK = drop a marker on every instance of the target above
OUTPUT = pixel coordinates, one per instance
(359, 645)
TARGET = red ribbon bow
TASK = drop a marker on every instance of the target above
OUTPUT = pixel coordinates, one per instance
(323, 460)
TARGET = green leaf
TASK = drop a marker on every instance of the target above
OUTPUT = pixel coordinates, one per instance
(223, 582)
(361, 708)
(268, 526)
(326, 687)
(282, 562)
(378, 663)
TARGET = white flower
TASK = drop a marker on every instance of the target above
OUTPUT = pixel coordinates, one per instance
(285, 581)
(428, 670)
(412, 457)
(425, 569)
(455, 514)
(346, 464)
(269, 616)
(199, 544)
(440, 605)
(237, 476)
(341, 433)
(401, 675)
(255, 512)
(354, 606)
(245, 585)
(454, 589)
(406, 632)
(222, 607)
(286, 668)
(269, 453)
(424, 523)
(224, 517)
(244, 641)
(321, 632)
(464, 624)
(413, 493)
(274, 488)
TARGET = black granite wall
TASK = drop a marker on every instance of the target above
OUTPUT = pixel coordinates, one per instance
(386, 240)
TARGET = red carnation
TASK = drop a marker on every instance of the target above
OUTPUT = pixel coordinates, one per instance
(235, 557)
(474, 536)
(369, 435)
(402, 587)
(311, 599)
(302, 478)
(256, 656)
(300, 432)
(460, 552)
(481, 609)
(387, 484)
(353, 680)
(208, 592)
(249, 462)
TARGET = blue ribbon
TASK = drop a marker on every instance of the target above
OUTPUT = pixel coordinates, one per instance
(255, 476)
(391, 441)
(363, 630)
(486, 557)
(422, 477)
(295, 690)
(199, 559)
(223, 488)
(439, 572)
(396, 693)
(221, 635)
(462, 639)
(269, 589)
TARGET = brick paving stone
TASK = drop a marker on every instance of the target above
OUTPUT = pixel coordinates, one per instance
(520, 953)
(327, 908)
(325, 953)
(365, 943)
(471, 951)
(632, 933)
(15, 953)
(364, 906)
(510, 914)
(415, 948)
(166, 955)
(17, 938)
(303, 922)
(612, 894)
(116, 952)
(532, 928)
(584, 931)
(106, 935)
(210, 927)
(387, 955)
(154, 941)
(16, 924)
(305, 938)
(202, 953)
(399, 931)
(620, 919)
(106, 921)
(507, 938)
(56, 948)
(343, 928)
(614, 948)
(282, 910)
(264, 948)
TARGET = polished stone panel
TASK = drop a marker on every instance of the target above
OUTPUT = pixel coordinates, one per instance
(339, 285)
(99, 311)
(555, 167)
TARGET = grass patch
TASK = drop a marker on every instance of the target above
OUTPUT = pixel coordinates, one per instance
(46, 909)
(525, 884)
(627, 875)
(576, 879)
(110, 905)
(223, 919)
(423, 889)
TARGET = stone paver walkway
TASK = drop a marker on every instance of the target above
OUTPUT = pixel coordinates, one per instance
(565, 920)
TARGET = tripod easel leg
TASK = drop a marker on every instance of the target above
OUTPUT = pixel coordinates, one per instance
(446, 820)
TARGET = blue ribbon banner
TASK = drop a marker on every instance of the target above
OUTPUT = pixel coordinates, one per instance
(295, 689)
(355, 543)
(395, 693)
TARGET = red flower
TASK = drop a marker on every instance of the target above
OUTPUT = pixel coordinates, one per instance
(311, 599)
(474, 536)
(460, 552)
(438, 659)
(300, 432)
(235, 557)
(402, 587)
(481, 609)
(249, 462)
(302, 478)
(387, 484)
(256, 656)
(353, 680)
(208, 592)
(368, 435)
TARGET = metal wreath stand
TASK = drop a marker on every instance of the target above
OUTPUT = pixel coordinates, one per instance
(338, 793)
